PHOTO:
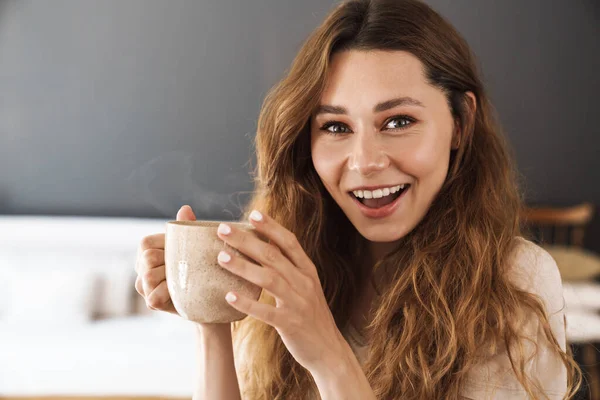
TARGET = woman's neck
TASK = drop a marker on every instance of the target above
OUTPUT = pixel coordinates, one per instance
(374, 280)
(372, 284)
(378, 250)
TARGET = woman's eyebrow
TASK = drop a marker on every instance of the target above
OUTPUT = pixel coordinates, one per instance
(383, 106)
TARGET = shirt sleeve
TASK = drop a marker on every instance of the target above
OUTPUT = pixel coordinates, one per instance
(535, 271)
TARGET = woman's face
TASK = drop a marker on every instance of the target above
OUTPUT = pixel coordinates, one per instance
(380, 125)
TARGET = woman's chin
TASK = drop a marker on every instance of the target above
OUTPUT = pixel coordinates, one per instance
(382, 234)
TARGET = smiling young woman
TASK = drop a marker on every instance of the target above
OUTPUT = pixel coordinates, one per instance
(394, 267)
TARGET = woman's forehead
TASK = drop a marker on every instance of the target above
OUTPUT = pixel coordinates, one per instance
(366, 78)
(374, 66)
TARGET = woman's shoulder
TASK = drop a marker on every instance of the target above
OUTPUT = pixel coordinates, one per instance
(532, 269)
(525, 251)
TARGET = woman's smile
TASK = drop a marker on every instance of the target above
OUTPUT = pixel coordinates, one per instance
(379, 203)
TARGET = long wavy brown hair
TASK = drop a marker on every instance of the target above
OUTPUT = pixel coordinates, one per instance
(449, 297)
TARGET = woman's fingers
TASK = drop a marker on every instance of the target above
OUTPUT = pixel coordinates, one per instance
(261, 311)
(151, 280)
(265, 278)
(168, 306)
(185, 213)
(138, 286)
(153, 277)
(159, 297)
(150, 242)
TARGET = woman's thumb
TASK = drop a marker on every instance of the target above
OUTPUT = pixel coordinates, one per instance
(185, 213)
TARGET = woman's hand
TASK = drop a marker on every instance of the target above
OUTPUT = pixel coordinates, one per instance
(301, 315)
(151, 281)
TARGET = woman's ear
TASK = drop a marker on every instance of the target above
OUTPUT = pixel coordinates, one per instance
(471, 108)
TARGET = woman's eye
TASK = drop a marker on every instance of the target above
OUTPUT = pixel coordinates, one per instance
(335, 128)
(399, 122)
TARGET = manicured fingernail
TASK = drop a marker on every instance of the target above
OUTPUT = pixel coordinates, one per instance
(256, 216)
(224, 229)
(224, 256)
(230, 297)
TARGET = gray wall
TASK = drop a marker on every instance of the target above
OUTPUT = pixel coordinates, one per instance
(132, 108)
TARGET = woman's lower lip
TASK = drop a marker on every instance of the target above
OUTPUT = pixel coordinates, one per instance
(380, 212)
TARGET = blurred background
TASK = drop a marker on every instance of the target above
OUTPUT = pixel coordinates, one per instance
(113, 114)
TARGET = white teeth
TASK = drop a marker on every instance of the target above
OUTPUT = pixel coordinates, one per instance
(377, 193)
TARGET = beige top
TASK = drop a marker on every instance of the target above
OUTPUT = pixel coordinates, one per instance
(534, 271)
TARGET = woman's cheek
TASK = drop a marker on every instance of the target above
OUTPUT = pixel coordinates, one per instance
(323, 164)
(415, 161)
(424, 157)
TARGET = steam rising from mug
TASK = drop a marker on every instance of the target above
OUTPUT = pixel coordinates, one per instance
(168, 181)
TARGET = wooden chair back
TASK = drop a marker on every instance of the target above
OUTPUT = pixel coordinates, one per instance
(558, 226)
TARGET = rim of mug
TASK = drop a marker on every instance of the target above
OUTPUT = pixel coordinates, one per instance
(209, 223)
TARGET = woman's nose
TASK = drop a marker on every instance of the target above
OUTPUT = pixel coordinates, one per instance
(368, 156)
